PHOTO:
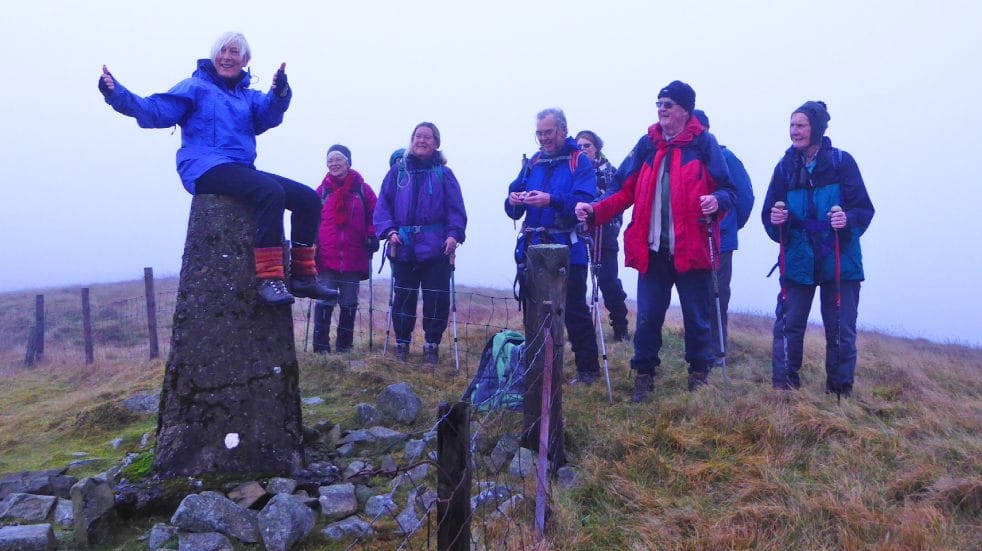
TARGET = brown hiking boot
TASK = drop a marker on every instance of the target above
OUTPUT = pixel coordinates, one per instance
(644, 383)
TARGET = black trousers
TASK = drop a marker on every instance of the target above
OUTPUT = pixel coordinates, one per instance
(269, 195)
(434, 278)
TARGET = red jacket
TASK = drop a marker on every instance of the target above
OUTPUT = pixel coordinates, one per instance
(696, 166)
(345, 226)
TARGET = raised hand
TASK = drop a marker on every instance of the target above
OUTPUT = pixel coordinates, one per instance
(107, 84)
(280, 83)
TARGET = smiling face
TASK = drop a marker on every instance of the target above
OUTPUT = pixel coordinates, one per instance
(801, 131)
(424, 142)
(230, 60)
(337, 164)
(671, 116)
(588, 148)
(551, 137)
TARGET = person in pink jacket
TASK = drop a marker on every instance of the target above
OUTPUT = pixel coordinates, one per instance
(346, 240)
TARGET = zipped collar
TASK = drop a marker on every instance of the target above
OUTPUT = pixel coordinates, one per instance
(206, 70)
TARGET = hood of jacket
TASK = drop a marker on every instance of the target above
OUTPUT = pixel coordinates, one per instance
(206, 71)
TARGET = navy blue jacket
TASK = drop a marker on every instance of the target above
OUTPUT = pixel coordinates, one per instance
(737, 217)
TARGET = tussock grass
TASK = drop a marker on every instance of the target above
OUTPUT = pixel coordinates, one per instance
(894, 467)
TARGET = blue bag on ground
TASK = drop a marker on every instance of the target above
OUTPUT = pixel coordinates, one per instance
(499, 382)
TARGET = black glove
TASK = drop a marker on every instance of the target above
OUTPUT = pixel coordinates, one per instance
(282, 84)
(371, 244)
(106, 92)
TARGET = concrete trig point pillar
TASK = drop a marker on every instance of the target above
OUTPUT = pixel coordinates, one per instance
(230, 401)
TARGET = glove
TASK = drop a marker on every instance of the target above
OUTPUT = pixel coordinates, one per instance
(371, 244)
(106, 92)
(282, 84)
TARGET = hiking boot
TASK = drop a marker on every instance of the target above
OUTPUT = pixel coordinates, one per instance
(620, 334)
(322, 327)
(644, 383)
(346, 329)
(273, 292)
(402, 351)
(309, 287)
(585, 378)
(698, 379)
(431, 354)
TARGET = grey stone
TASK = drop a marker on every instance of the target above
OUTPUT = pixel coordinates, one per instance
(388, 464)
(93, 505)
(64, 513)
(504, 509)
(307, 499)
(80, 454)
(493, 495)
(28, 537)
(230, 399)
(160, 535)
(281, 485)
(213, 512)
(144, 440)
(380, 506)
(414, 450)
(284, 521)
(503, 452)
(346, 450)
(427, 501)
(523, 464)
(408, 521)
(387, 437)
(567, 477)
(247, 494)
(355, 467)
(367, 415)
(363, 493)
(115, 443)
(82, 463)
(360, 436)
(203, 541)
(49, 482)
(27, 507)
(352, 527)
(413, 477)
(145, 402)
(429, 436)
(338, 501)
(398, 403)
(313, 401)
(333, 436)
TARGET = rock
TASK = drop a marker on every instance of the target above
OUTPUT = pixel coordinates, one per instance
(388, 464)
(284, 521)
(80, 454)
(346, 450)
(380, 505)
(64, 513)
(28, 537)
(82, 463)
(311, 436)
(414, 477)
(143, 403)
(408, 521)
(367, 415)
(354, 468)
(213, 512)
(115, 443)
(523, 464)
(50, 482)
(333, 436)
(399, 403)
(307, 499)
(248, 494)
(144, 440)
(363, 493)
(358, 437)
(427, 501)
(203, 541)
(503, 452)
(352, 527)
(414, 450)
(93, 505)
(313, 401)
(160, 535)
(492, 496)
(230, 398)
(27, 507)
(505, 508)
(387, 437)
(567, 477)
(338, 501)
(281, 486)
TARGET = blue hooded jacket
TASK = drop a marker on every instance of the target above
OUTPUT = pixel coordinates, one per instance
(566, 186)
(737, 217)
(218, 124)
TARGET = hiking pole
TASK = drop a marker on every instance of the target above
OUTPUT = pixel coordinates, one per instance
(306, 329)
(453, 308)
(719, 310)
(371, 302)
(838, 305)
(784, 291)
(388, 315)
(592, 259)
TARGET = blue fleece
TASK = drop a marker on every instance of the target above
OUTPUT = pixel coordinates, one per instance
(737, 217)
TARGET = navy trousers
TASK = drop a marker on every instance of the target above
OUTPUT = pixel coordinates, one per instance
(433, 276)
(579, 324)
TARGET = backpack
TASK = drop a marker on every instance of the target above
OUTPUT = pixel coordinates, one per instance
(499, 381)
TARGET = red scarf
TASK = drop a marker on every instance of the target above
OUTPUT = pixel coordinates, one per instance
(341, 193)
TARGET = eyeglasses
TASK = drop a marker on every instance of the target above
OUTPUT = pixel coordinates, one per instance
(546, 133)
(665, 104)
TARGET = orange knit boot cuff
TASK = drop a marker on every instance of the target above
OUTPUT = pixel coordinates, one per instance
(269, 263)
(302, 261)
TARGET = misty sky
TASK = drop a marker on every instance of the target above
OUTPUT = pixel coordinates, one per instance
(90, 197)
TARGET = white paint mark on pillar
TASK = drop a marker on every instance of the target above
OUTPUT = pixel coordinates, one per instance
(277, 370)
(232, 440)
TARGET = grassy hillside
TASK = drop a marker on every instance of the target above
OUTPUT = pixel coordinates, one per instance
(895, 467)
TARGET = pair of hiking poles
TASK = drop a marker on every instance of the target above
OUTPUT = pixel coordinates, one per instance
(593, 253)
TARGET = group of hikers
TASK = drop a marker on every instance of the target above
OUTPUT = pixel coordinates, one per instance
(690, 196)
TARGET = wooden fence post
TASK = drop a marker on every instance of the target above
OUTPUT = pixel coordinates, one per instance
(35, 341)
(87, 325)
(548, 266)
(454, 478)
(151, 312)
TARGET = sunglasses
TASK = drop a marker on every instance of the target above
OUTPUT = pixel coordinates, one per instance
(666, 104)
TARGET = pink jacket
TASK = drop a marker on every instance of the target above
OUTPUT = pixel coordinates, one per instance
(345, 227)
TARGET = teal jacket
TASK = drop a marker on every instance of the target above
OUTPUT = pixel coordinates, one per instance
(810, 192)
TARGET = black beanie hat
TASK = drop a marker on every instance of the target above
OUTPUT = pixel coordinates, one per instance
(700, 116)
(592, 136)
(682, 93)
(342, 150)
(818, 117)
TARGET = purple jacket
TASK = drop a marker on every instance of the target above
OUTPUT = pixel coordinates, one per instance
(420, 198)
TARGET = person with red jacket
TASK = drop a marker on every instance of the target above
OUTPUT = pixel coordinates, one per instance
(346, 240)
(677, 180)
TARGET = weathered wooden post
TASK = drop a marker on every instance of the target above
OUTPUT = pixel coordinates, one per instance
(87, 326)
(230, 401)
(454, 478)
(548, 266)
(35, 340)
(151, 312)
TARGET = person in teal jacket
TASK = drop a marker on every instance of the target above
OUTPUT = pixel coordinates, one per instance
(220, 117)
(819, 247)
